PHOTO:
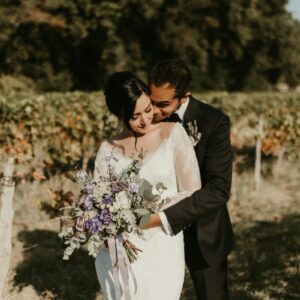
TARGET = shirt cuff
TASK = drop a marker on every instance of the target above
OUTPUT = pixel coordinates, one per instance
(165, 223)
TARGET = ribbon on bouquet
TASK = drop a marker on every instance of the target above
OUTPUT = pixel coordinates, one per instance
(122, 266)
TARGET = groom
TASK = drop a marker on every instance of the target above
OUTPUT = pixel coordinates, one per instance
(203, 216)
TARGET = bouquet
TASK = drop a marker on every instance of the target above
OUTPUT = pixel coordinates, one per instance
(111, 207)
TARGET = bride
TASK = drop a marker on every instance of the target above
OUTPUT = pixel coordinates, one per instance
(168, 158)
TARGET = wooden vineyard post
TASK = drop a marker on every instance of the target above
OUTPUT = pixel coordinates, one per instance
(6, 220)
(257, 168)
(278, 166)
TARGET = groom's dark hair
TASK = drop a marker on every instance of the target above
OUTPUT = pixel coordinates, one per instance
(174, 72)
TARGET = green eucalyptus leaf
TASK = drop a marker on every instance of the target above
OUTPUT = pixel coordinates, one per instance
(145, 186)
(159, 186)
(145, 219)
(148, 195)
(141, 211)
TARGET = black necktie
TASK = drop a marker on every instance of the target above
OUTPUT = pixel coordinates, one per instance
(174, 118)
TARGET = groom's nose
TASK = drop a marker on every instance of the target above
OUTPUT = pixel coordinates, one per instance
(155, 111)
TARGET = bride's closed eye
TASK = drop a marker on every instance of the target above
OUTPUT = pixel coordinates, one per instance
(148, 109)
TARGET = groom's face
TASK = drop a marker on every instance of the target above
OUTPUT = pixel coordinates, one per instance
(164, 101)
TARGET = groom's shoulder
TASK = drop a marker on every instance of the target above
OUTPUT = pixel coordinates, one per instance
(208, 111)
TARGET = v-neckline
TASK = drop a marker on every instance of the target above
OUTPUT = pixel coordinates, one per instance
(146, 157)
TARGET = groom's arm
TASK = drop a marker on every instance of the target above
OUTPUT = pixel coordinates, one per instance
(217, 174)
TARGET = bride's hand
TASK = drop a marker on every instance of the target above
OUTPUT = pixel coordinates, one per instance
(154, 221)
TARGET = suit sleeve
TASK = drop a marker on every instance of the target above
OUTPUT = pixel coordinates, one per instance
(217, 170)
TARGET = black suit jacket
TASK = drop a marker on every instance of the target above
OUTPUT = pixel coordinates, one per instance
(204, 215)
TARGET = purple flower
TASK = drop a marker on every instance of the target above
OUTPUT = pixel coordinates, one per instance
(87, 200)
(105, 216)
(116, 187)
(107, 199)
(88, 189)
(133, 187)
(93, 225)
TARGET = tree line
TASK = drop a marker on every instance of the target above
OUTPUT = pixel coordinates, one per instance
(75, 44)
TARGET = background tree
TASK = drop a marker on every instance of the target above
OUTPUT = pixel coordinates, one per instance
(75, 44)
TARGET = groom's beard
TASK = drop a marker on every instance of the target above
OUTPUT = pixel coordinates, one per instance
(163, 118)
(155, 121)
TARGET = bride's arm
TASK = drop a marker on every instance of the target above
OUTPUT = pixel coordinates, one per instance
(186, 165)
(187, 175)
(187, 172)
(101, 164)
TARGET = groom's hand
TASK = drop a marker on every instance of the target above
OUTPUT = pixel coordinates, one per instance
(154, 221)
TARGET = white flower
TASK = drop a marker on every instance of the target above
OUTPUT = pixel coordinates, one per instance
(82, 176)
(90, 214)
(100, 189)
(111, 208)
(193, 132)
(123, 200)
(116, 206)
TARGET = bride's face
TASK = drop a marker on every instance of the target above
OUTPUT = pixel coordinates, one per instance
(142, 115)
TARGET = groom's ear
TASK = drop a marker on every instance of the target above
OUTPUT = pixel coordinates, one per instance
(185, 97)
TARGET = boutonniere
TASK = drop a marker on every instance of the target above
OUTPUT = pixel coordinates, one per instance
(193, 132)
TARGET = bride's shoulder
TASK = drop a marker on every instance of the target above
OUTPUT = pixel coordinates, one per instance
(104, 145)
(111, 142)
(166, 129)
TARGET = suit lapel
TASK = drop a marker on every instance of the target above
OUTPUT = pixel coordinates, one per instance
(192, 111)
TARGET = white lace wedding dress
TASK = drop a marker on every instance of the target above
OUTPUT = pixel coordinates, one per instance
(160, 268)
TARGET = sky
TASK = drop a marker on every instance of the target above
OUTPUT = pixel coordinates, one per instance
(294, 7)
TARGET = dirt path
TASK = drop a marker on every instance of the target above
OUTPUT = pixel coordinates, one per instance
(264, 264)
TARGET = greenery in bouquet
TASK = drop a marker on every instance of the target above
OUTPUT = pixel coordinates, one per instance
(111, 207)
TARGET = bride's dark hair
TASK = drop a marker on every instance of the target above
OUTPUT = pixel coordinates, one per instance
(121, 93)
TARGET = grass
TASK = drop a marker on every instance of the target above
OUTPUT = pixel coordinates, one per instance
(44, 269)
(264, 264)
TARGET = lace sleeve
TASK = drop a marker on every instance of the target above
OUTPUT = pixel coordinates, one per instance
(101, 167)
(186, 166)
